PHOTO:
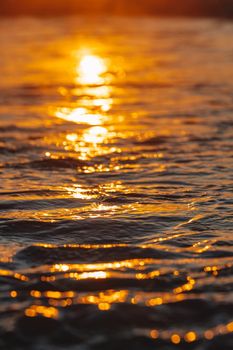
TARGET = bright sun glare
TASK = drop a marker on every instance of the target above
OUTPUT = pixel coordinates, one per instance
(91, 69)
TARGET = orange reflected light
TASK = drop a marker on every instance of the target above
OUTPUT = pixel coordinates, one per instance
(154, 334)
(175, 338)
(88, 275)
(115, 265)
(13, 294)
(38, 310)
(104, 104)
(230, 327)
(190, 337)
(104, 306)
(16, 275)
(209, 334)
(106, 298)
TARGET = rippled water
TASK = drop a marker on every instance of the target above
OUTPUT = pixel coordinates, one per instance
(116, 184)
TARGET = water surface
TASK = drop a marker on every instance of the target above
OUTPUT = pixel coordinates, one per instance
(116, 184)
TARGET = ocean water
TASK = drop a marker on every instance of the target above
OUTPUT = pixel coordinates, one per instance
(116, 184)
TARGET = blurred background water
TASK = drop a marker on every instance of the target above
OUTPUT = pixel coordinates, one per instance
(116, 183)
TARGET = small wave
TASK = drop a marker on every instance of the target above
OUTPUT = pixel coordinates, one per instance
(50, 164)
(40, 255)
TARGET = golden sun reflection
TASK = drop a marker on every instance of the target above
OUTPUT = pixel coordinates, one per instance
(100, 267)
(79, 192)
(79, 116)
(72, 137)
(88, 275)
(91, 142)
(96, 134)
(92, 91)
(104, 103)
(91, 69)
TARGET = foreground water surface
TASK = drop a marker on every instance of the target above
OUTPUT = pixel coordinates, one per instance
(116, 184)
